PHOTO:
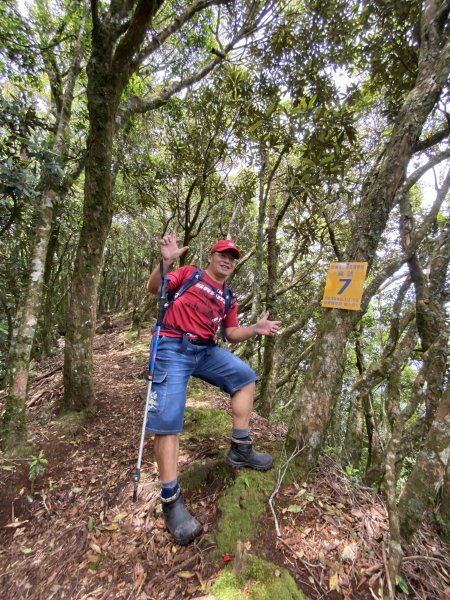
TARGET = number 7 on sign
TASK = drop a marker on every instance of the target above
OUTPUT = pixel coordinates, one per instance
(345, 286)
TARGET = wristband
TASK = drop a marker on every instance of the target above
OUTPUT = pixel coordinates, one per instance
(254, 329)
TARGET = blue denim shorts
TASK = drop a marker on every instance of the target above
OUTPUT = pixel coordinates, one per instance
(173, 368)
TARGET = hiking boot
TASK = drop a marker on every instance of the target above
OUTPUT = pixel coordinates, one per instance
(241, 454)
(181, 524)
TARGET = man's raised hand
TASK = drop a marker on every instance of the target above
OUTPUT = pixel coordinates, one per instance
(169, 249)
(265, 327)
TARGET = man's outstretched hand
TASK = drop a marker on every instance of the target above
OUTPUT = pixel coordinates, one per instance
(169, 248)
(265, 327)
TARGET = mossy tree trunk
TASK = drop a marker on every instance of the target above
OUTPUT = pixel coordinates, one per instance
(13, 426)
(354, 432)
(420, 492)
(427, 477)
(268, 382)
(444, 509)
(323, 379)
(118, 49)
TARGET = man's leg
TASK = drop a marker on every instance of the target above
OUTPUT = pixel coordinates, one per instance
(165, 420)
(241, 453)
(242, 406)
(166, 449)
(232, 375)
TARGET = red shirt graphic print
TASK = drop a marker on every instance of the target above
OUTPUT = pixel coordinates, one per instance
(199, 310)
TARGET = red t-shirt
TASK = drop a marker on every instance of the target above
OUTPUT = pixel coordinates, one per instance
(199, 310)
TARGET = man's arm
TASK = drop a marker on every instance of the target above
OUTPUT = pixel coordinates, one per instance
(262, 327)
(154, 281)
(169, 253)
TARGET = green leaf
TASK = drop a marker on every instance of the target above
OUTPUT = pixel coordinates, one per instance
(26, 550)
(272, 106)
(401, 583)
(294, 508)
(93, 566)
(312, 101)
(90, 524)
(255, 125)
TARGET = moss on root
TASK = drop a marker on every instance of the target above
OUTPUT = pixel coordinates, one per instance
(199, 472)
(261, 580)
(241, 507)
(206, 423)
(69, 423)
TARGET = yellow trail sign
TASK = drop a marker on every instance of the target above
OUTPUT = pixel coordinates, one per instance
(344, 286)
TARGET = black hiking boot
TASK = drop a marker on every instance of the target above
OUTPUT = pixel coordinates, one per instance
(181, 524)
(241, 454)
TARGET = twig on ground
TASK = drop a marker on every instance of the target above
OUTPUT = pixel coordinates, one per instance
(281, 473)
(183, 565)
(304, 563)
(420, 557)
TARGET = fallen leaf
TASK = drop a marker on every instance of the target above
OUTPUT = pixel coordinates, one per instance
(26, 550)
(93, 566)
(186, 574)
(139, 575)
(350, 552)
(120, 517)
(334, 582)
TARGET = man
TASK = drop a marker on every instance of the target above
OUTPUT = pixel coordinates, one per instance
(187, 346)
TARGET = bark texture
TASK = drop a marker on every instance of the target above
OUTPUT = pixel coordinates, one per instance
(118, 48)
(426, 480)
(13, 427)
(323, 379)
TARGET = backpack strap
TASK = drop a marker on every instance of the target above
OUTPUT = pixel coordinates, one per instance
(228, 295)
(196, 276)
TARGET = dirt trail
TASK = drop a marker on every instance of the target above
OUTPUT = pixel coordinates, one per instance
(78, 535)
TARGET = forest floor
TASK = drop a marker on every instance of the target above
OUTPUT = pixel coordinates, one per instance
(75, 532)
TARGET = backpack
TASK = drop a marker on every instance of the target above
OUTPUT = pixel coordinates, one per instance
(196, 276)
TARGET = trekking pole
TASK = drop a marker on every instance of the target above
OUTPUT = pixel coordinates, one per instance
(153, 349)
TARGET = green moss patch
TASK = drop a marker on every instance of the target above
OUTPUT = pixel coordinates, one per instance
(21, 451)
(241, 507)
(70, 423)
(261, 580)
(200, 471)
(206, 423)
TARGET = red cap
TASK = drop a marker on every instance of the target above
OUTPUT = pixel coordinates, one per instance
(226, 246)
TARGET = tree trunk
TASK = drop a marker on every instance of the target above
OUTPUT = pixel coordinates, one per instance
(444, 511)
(322, 382)
(396, 422)
(248, 350)
(426, 479)
(421, 489)
(354, 434)
(13, 428)
(14, 418)
(103, 100)
(374, 470)
(118, 38)
(267, 386)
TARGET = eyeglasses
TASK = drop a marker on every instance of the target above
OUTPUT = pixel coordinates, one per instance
(227, 257)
